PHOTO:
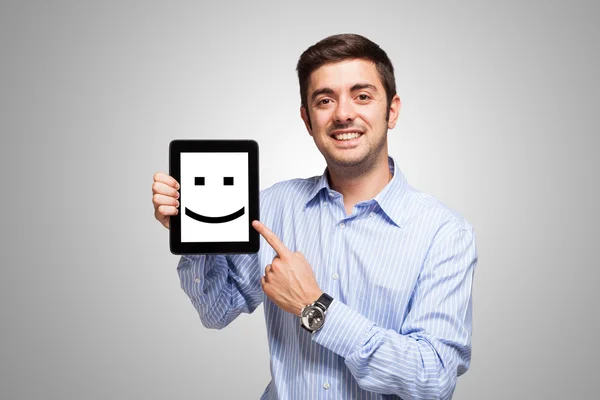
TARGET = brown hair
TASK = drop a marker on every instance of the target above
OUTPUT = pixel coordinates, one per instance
(342, 47)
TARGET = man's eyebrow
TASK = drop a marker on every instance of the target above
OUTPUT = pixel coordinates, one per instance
(359, 86)
(354, 88)
(321, 91)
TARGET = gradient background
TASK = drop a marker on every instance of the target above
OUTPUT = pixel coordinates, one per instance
(499, 121)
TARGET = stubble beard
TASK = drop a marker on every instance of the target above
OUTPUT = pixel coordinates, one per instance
(361, 165)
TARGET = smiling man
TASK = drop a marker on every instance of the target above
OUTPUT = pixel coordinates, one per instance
(366, 282)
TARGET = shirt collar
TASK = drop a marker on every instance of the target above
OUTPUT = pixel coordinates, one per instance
(321, 184)
(392, 199)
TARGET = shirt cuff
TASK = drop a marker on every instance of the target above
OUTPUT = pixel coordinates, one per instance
(345, 330)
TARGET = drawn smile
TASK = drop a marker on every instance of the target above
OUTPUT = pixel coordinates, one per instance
(215, 220)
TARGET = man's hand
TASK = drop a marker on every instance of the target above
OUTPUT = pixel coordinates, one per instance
(164, 197)
(289, 280)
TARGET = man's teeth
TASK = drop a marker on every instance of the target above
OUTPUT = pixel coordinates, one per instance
(347, 136)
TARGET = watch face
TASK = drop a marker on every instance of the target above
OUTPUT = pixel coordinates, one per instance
(313, 318)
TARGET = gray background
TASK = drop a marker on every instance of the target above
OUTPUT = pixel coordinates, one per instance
(499, 121)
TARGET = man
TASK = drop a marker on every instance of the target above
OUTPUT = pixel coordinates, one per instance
(380, 273)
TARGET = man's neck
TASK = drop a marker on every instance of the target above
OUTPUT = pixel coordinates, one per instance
(357, 188)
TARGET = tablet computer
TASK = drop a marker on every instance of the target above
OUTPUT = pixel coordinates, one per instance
(218, 196)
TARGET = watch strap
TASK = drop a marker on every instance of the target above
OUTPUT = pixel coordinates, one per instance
(325, 300)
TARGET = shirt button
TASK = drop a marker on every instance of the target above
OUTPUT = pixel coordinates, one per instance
(370, 215)
(331, 194)
(335, 275)
(342, 225)
(323, 204)
(326, 385)
(197, 280)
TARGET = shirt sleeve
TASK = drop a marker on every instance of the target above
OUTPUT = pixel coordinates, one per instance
(221, 287)
(423, 358)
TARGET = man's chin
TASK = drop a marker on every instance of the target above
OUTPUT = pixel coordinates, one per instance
(348, 160)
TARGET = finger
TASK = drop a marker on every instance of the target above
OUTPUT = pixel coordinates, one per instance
(165, 211)
(272, 239)
(162, 200)
(163, 188)
(267, 272)
(164, 178)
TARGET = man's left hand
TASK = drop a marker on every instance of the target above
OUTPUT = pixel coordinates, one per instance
(289, 280)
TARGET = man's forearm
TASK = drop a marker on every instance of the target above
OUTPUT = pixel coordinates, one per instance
(220, 288)
(387, 362)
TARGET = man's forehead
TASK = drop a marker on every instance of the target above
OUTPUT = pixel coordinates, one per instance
(344, 74)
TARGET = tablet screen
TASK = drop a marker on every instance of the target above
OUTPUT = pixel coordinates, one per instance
(214, 197)
(218, 196)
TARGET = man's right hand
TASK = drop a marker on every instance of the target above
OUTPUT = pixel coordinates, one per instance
(164, 197)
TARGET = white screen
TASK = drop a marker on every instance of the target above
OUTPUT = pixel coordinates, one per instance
(214, 198)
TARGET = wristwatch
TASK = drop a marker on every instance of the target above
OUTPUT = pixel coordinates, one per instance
(312, 317)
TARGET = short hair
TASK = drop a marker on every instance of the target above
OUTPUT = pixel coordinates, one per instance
(343, 47)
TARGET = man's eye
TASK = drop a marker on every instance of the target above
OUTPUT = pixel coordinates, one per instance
(363, 97)
(324, 101)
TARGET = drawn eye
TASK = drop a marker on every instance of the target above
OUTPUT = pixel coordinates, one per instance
(227, 181)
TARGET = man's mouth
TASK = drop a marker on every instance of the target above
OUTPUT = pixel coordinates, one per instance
(346, 135)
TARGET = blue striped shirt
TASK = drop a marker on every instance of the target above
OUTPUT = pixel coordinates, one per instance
(400, 269)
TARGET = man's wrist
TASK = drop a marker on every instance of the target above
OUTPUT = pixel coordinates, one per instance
(312, 316)
(312, 298)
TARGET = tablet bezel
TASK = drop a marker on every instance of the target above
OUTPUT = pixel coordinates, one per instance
(178, 146)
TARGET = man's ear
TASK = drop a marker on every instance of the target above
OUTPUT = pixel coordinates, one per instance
(306, 119)
(394, 111)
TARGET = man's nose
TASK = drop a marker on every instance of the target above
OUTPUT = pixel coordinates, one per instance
(344, 111)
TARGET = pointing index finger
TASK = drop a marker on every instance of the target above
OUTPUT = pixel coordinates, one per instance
(272, 239)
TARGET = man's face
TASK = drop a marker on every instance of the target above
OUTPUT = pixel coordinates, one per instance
(347, 105)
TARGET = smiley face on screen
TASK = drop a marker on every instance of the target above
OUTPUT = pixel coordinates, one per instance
(227, 181)
(214, 197)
